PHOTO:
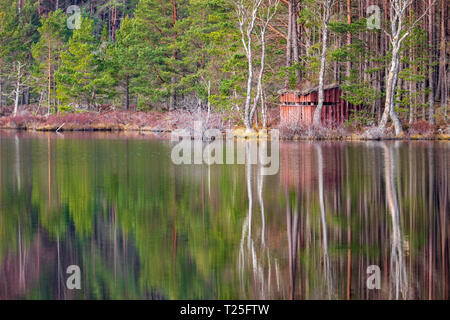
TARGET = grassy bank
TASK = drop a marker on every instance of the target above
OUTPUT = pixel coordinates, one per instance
(165, 122)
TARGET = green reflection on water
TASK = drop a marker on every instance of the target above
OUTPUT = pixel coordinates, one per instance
(141, 228)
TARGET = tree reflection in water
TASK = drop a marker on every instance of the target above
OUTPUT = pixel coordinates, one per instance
(256, 255)
(323, 220)
(399, 279)
(142, 228)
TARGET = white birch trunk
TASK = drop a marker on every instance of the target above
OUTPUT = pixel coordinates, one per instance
(17, 90)
(323, 60)
(247, 16)
(263, 110)
(248, 120)
(265, 23)
(397, 13)
(391, 84)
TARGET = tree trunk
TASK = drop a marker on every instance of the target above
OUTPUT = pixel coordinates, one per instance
(263, 110)
(261, 73)
(412, 102)
(412, 83)
(172, 99)
(1, 90)
(49, 79)
(248, 120)
(424, 100)
(289, 42)
(17, 90)
(443, 59)
(389, 110)
(431, 61)
(294, 26)
(172, 103)
(247, 18)
(349, 38)
(209, 99)
(114, 23)
(323, 60)
(127, 84)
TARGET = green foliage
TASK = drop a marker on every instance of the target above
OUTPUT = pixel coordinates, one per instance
(64, 109)
(46, 52)
(18, 33)
(164, 58)
(361, 118)
(22, 29)
(360, 93)
(123, 55)
(343, 27)
(83, 78)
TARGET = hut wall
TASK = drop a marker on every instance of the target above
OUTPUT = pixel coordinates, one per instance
(298, 109)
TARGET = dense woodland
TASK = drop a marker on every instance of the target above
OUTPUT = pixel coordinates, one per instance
(225, 55)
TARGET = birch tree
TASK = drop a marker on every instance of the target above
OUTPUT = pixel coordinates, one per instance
(327, 4)
(396, 35)
(268, 12)
(19, 84)
(247, 12)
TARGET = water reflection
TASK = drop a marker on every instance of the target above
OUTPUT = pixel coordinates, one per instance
(398, 278)
(323, 220)
(254, 255)
(142, 228)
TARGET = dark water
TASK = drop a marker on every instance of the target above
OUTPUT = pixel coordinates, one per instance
(140, 227)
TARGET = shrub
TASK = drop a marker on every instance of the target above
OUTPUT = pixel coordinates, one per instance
(64, 109)
(374, 133)
(422, 127)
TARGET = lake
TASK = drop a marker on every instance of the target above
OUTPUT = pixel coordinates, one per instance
(341, 220)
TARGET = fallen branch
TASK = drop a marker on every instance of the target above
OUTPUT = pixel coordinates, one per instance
(60, 127)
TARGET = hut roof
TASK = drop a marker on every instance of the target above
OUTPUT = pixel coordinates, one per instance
(307, 91)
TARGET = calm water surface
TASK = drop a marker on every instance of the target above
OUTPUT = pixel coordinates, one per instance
(140, 227)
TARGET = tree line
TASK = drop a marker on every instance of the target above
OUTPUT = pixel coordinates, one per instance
(390, 56)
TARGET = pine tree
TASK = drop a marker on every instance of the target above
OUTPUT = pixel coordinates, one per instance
(124, 54)
(46, 52)
(209, 33)
(6, 34)
(82, 79)
(159, 58)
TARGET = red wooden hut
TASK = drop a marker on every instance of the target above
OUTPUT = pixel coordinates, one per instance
(298, 106)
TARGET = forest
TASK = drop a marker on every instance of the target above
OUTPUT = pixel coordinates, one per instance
(228, 58)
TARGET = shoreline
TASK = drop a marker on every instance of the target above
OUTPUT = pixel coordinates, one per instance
(163, 124)
(165, 134)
